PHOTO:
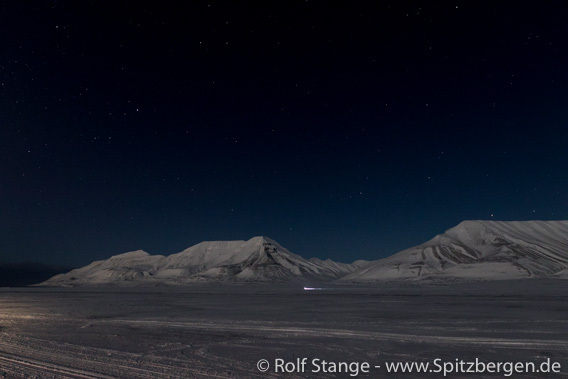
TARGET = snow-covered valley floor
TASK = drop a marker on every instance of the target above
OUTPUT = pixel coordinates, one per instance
(222, 331)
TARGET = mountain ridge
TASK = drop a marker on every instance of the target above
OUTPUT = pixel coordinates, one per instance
(478, 250)
(257, 259)
(471, 250)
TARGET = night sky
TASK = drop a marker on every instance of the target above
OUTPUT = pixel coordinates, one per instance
(344, 132)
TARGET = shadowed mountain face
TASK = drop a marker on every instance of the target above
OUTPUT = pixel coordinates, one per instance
(480, 250)
(258, 259)
(25, 274)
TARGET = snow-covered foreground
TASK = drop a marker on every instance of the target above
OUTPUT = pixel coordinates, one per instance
(223, 331)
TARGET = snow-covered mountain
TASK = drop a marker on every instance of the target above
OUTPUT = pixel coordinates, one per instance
(258, 259)
(132, 266)
(473, 250)
(479, 250)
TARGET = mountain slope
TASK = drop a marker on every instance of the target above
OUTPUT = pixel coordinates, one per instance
(258, 259)
(125, 267)
(480, 250)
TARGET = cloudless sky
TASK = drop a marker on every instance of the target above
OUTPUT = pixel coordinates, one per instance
(347, 131)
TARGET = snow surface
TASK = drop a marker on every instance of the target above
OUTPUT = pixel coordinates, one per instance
(216, 330)
(479, 250)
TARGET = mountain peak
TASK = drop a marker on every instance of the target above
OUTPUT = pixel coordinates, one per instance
(131, 254)
(262, 240)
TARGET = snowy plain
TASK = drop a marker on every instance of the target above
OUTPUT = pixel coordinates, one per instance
(223, 330)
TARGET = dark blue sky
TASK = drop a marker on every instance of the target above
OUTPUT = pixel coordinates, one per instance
(348, 132)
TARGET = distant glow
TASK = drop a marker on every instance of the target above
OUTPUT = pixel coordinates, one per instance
(312, 289)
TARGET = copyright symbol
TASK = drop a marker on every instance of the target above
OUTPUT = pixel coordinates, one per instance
(263, 365)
